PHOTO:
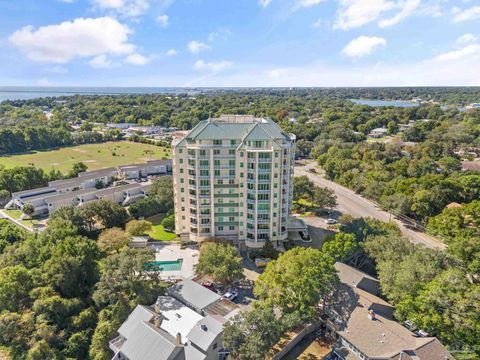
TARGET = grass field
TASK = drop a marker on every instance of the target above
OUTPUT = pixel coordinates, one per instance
(158, 232)
(95, 156)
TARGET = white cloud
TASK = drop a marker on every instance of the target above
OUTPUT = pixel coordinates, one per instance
(131, 8)
(355, 13)
(308, 3)
(466, 39)
(407, 9)
(212, 66)
(101, 62)
(472, 50)
(136, 59)
(71, 39)
(58, 70)
(222, 33)
(171, 52)
(472, 13)
(264, 3)
(277, 73)
(197, 46)
(363, 45)
(163, 20)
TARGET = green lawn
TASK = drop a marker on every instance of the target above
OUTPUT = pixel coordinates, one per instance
(158, 232)
(95, 156)
(15, 214)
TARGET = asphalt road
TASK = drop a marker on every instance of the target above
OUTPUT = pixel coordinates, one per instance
(351, 203)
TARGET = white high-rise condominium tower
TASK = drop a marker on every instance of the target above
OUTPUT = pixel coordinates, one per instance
(233, 179)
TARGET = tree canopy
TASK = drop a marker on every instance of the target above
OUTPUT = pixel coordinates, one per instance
(297, 280)
(221, 261)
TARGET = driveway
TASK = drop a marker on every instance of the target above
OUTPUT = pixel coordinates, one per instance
(351, 203)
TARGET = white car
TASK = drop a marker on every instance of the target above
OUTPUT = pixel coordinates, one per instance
(230, 295)
(331, 221)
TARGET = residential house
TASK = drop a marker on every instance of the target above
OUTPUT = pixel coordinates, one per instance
(364, 327)
(171, 329)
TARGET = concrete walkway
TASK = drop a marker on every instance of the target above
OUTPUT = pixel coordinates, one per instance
(4, 214)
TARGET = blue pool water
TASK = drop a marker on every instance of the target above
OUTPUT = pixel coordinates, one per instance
(164, 265)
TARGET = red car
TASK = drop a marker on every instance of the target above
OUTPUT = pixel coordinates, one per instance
(208, 285)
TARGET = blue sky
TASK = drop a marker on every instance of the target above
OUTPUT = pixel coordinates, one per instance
(239, 42)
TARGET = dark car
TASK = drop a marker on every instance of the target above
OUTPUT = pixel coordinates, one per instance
(208, 285)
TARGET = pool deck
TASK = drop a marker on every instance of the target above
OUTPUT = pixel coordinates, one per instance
(172, 252)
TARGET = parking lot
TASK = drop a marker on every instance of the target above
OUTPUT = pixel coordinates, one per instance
(243, 289)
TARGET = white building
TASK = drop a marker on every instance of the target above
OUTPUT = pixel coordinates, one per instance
(173, 329)
(233, 178)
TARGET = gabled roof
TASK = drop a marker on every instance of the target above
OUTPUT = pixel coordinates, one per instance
(146, 342)
(139, 314)
(205, 331)
(380, 337)
(354, 277)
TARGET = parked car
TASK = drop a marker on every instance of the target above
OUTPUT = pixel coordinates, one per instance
(331, 221)
(230, 295)
(409, 325)
(208, 285)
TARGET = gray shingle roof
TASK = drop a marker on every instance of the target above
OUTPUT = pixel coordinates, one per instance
(381, 337)
(354, 277)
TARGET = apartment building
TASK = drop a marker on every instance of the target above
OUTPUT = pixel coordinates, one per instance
(233, 179)
(83, 188)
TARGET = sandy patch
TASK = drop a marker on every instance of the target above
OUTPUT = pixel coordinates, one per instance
(89, 161)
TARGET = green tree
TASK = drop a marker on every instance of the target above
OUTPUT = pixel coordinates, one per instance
(251, 334)
(447, 307)
(107, 213)
(341, 247)
(15, 284)
(113, 239)
(297, 280)
(138, 227)
(162, 189)
(324, 197)
(77, 168)
(220, 261)
(10, 234)
(168, 222)
(303, 188)
(123, 281)
(450, 164)
(403, 268)
(28, 209)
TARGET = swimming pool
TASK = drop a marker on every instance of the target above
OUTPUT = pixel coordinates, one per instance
(175, 265)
